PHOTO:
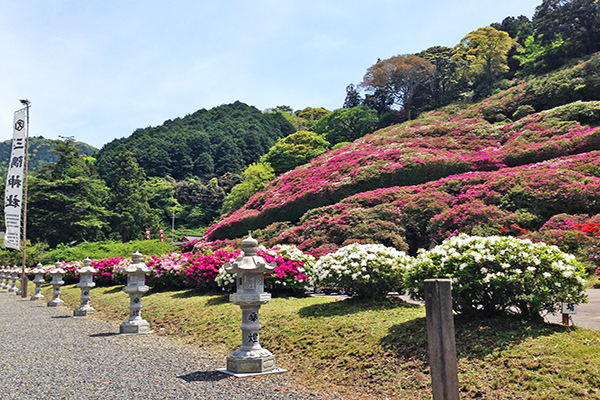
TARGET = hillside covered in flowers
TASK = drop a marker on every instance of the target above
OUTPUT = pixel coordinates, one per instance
(525, 161)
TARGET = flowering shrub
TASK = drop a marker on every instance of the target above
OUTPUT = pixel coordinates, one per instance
(493, 275)
(166, 270)
(370, 270)
(291, 274)
(109, 271)
(201, 270)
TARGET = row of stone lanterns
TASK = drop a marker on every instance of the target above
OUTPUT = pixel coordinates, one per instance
(249, 359)
(7, 275)
(136, 287)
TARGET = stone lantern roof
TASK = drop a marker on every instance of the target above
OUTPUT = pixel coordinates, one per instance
(248, 261)
(137, 265)
(39, 269)
(57, 269)
(87, 267)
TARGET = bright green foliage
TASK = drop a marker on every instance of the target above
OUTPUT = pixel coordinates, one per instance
(347, 124)
(485, 50)
(256, 177)
(536, 56)
(495, 275)
(294, 150)
(67, 199)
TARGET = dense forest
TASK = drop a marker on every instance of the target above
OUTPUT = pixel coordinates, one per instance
(413, 119)
(40, 152)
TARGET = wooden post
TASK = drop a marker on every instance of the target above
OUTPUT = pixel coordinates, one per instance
(440, 337)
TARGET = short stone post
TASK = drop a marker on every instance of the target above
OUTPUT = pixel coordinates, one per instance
(441, 340)
(39, 273)
(57, 281)
(250, 359)
(136, 287)
(13, 273)
(86, 283)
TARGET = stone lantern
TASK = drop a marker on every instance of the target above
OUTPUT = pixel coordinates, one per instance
(3, 278)
(19, 278)
(57, 281)
(86, 283)
(39, 273)
(136, 287)
(12, 275)
(250, 358)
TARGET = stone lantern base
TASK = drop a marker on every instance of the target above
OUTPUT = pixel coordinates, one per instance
(135, 327)
(55, 303)
(251, 363)
(83, 311)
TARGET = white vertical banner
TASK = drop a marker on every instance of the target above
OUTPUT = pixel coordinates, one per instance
(13, 196)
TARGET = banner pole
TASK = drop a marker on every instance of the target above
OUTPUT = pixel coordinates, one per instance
(27, 103)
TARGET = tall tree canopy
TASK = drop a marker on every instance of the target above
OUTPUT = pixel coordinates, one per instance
(67, 199)
(294, 150)
(485, 50)
(400, 76)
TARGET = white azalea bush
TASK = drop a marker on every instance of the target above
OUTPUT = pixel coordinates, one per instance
(371, 270)
(495, 275)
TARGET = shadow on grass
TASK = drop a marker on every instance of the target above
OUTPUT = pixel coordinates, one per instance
(475, 337)
(352, 305)
(204, 376)
(115, 289)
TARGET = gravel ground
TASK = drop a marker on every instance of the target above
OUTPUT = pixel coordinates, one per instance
(46, 354)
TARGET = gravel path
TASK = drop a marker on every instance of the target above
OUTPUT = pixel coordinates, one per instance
(46, 354)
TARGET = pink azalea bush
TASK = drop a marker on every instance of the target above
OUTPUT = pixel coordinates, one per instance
(410, 154)
(293, 269)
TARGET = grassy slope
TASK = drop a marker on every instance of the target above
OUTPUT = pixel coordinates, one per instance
(375, 349)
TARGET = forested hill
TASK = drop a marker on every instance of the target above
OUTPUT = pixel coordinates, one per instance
(40, 152)
(206, 143)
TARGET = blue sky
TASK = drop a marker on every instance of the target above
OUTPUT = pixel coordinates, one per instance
(98, 70)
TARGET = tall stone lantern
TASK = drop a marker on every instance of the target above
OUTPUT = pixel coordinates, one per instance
(57, 281)
(86, 283)
(136, 287)
(250, 358)
(39, 273)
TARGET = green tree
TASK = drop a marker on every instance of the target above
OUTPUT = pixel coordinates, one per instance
(400, 76)
(129, 200)
(67, 200)
(353, 98)
(486, 51)
(256, 176)
(294, 150)
(347, 124)
(577, 22)
(446, 83)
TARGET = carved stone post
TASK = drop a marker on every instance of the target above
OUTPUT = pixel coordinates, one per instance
(250, 358)
(136, 287)
(39, 273)
(86, 283)
(57, 281)
(13, 273)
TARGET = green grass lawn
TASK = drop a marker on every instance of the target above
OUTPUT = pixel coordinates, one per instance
(374, 349)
